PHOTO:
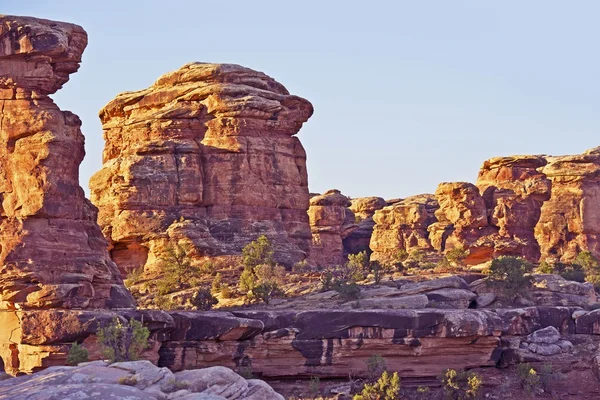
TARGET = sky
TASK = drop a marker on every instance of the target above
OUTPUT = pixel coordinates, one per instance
(407, 94)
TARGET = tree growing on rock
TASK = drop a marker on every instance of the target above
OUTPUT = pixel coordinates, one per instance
(176, 268)
(262, 277)
(122, 340)
(203, 299)
(511, 275)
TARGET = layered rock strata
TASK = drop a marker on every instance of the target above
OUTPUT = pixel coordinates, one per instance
(325, 343)
(52, 252)
(207, 155)
(331, 221)
(363, 208)
(536, 207)
(403, 225)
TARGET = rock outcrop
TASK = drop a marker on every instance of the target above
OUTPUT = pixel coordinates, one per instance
(134, 380)
(52, 252)
(570, 218)
(206, 155)
(363, 208)
(535, 207)
(403, 225)
(331, 221)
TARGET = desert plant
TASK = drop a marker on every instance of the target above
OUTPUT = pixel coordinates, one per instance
(123, 341)
(375, 366)
(460, 385)
(134, 277)
(314, 387)
(164, 302)
(77, 354)
(545, 268)
(227, 292)
(528, 377)
(457, 255)
(130, 380)
(348, 291)
(258, 252)
(203, 299)
(378, 271)
(217, 283)
(387, 387)
(423, 392)
(176, 268)
(359, 262)
(589, 263)
(510, 275)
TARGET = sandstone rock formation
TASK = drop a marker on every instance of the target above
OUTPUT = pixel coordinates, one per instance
(52, 252)
(208, 155)
(134, 380)
(363, 208)
(403, 225)
(570, 219)
(536, 207)
(331, 221)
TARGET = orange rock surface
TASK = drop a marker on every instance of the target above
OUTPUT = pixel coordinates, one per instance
(52, 252)
(207, 155)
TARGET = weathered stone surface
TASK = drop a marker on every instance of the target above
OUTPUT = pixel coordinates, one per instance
(52, 253)
(363, 208)
(570, 219)
(330, 221)
(134, 380)
(206, 155)
(403, 225)
(548, 335)
(213, 326)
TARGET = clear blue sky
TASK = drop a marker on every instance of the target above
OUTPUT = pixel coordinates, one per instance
(406, 93)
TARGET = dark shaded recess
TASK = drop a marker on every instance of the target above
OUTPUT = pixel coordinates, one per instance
(311, 350)
(559, 317)
(273, 320)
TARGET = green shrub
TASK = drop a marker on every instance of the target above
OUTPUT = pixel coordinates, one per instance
(348, 291)
(375, 366)
(359, 263)
(217, 283)
(387, 387)
(528, 377)
(378, 271)
(227, 292)
(457, 255)
(134, 277)
(203, 299)
(123, 341)
(314, 387)
(587, 262)
(176, 269)
(130, 380)
(77, 354)
(164, 302)
(545, 268)
(258, 252)
(460, 385)
(510, 275)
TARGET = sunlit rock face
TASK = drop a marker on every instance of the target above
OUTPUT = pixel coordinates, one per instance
(207, 155)
(52, 252)
(535, 207)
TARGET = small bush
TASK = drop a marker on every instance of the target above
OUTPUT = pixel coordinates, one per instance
(529, 378)
(130, 380)
(204, 300)
(587, 262)
(511, 275)
(301, 267)
(375, 366)
(460, 385)
(348, 291)
(77, 354)
(217, 283)
(457, 256)
(378, 271)
(359, 263)
(545, 268)
(258, 252)
(387, 387)
(176, 268)
(314, 387)
(123, 341)
(227, 292)
(134, 277)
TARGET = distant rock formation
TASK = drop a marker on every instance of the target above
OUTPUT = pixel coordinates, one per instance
(536, 207)
(206, 155)
(52, 252)
(331, 221)
(363, 208)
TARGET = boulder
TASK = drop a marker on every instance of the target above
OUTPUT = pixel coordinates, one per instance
(548, 335)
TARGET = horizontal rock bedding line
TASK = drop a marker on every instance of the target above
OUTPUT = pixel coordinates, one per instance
(317, 342)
